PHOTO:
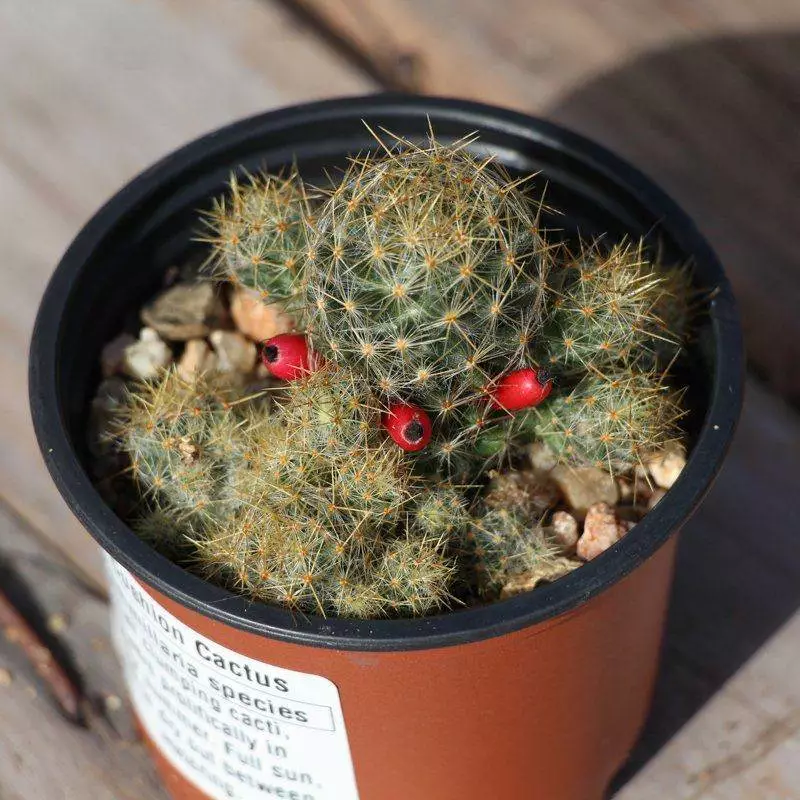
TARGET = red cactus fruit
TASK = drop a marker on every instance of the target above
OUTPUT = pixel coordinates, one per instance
(288, 356)
(523, 388)
(408, 425)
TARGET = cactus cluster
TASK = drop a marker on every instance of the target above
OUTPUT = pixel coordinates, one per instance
(611, 420)
(299, 501)
(425, 270)
(439, 316)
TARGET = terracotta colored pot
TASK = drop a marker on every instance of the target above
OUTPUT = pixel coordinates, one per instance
(539, 696)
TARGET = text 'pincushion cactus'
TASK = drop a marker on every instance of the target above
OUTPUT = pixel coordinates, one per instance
(442, 329)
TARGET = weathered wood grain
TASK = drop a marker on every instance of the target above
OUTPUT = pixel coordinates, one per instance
(700, 95)
(43, 754)
(93, 92)
(745, 745)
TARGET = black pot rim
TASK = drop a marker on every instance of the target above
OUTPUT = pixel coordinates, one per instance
(451, 628)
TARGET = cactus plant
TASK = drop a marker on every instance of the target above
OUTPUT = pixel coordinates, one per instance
(606, 309)
(181, 439)
(610, 420)
(257, 233)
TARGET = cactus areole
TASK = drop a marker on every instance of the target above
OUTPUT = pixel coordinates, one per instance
(436, 318)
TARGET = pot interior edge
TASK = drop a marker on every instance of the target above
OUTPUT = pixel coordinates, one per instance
(155, 229)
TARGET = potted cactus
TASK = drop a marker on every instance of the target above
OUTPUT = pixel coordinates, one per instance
(332, 559)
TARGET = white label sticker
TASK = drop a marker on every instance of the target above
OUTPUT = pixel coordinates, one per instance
(238, 728)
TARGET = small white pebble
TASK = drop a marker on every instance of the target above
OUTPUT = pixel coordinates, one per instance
(564, 530)
(236, 353)
(147, 357)
(112, 355)
(57, 623)
(112, 703)
(666, 467)
(148, 335)
(542, 458)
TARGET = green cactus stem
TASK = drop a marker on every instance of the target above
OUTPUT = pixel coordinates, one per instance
(610, 420)
(610, 306)
(258, 234)
(306, 504)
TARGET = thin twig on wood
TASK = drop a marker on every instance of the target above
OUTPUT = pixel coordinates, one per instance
(19, 632)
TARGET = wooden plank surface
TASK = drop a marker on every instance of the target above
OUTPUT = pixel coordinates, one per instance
(746, 743)
(700, 94)
(93, 92)
(42, 754)
(733, 634)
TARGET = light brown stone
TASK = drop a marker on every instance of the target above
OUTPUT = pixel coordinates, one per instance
(236, 354)
(601, 530)
(667, 466)
(525, 489)
(196, 359)
(550, 570)
(257, 319)
(185, 311)
(583, 487)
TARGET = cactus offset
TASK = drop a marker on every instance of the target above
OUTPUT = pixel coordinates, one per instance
(258, 234)
(331, 502)
(181, 438)
(503, 543)
(307, 505)
(610, 420)
(606, 310)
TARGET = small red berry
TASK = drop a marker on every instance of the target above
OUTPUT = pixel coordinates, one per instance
(408, 425)
(523, 388)
(288, 356)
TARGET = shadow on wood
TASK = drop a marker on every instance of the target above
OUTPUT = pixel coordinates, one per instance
(26, 626)
(715, 123)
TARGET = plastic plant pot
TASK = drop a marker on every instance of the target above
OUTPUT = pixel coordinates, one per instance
(538, 696)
